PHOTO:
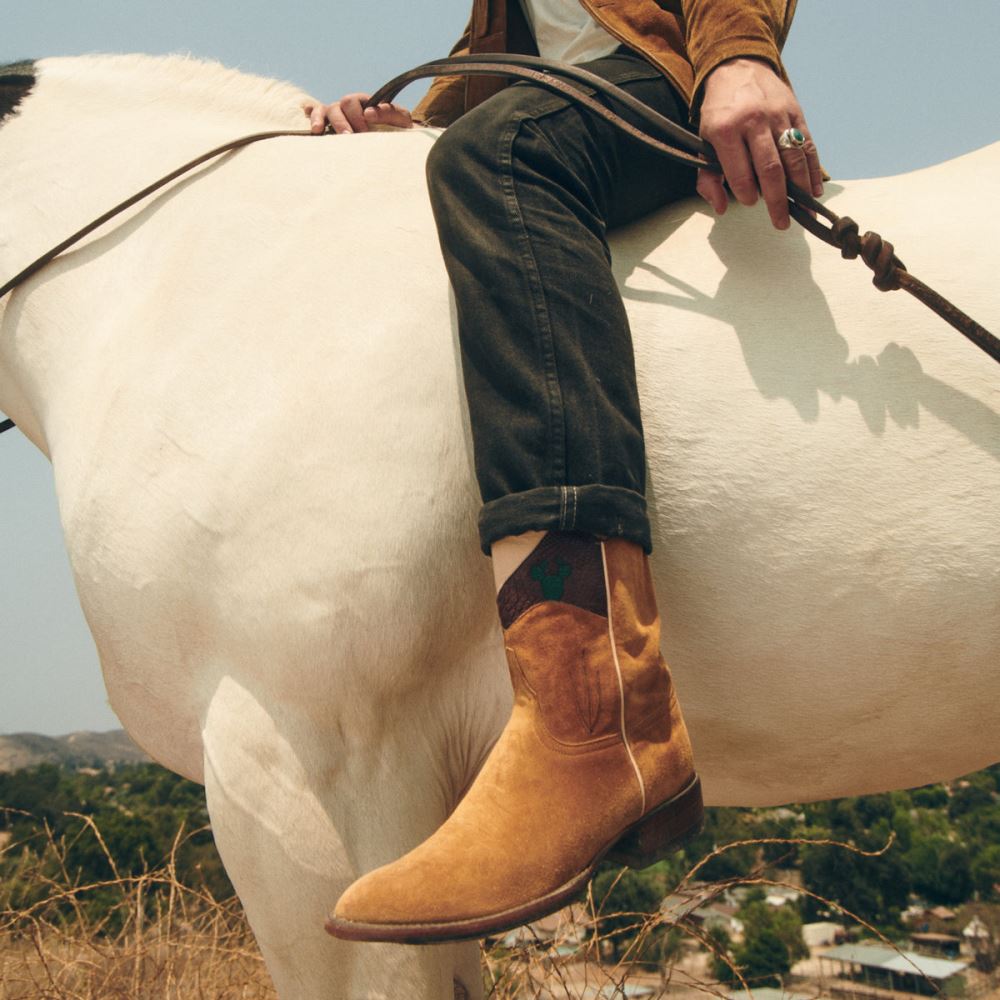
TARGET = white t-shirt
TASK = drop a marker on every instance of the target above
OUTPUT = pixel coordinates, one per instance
(565, 31)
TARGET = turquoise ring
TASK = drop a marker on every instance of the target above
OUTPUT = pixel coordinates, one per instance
(791, 138)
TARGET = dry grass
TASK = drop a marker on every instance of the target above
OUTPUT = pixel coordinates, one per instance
(156, 937)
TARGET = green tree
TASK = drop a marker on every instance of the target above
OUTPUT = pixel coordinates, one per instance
(980, 829)
(672, 945)
(723, 826)
(973, 797)
(869, 809)
(758, 916)
(723, 949)
(139, 811)
(783, 828)
(930, 797)
(764, 956)
(624, 899)
(940, 869)
(986, 871)
(873, 888)
(763, 959)
(903, 827)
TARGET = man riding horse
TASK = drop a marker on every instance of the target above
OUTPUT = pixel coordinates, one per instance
(595, 760)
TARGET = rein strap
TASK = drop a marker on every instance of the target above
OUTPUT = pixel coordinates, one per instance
(668, 138)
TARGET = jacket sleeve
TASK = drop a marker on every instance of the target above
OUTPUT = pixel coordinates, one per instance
(445, 101)
(716, 30)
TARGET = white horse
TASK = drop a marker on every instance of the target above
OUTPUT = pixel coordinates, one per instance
(250, 394)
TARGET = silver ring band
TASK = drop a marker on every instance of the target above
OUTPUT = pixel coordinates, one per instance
(791, 138)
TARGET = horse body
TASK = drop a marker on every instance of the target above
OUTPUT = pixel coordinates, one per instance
(250, 393)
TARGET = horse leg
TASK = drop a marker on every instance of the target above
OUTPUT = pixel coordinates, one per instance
(280, 811)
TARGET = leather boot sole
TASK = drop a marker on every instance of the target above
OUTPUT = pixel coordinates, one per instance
(654, 836)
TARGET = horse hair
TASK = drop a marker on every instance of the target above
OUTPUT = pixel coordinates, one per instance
(16, 81)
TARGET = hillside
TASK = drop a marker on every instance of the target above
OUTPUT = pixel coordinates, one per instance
(934, 846)
(23, 750)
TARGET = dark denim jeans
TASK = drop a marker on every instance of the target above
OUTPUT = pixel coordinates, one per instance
(524, 188)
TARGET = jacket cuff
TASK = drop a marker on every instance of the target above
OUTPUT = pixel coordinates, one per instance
(735, 48)
(717, 30)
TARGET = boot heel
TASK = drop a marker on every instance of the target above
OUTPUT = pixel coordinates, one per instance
(662, 831)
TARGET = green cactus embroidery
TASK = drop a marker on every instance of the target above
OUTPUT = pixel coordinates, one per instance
(553, 583)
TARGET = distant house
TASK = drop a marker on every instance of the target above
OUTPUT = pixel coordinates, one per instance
(945, 945)
(690, 897)
(862, 969)
(721, 915)
(779, 895)
(821, 933)
(979, 941)
(977, 933)
(703, 907)
(921, 917)
(917, 916)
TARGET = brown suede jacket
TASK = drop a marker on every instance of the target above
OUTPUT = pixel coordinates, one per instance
(684, 39)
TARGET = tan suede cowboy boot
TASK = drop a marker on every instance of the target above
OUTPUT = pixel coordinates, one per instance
(595, 761)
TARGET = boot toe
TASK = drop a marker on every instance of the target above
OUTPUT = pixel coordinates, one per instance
(380, 897)
(404, 901)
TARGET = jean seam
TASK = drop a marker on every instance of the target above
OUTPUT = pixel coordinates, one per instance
(556, 443)
(568, 506)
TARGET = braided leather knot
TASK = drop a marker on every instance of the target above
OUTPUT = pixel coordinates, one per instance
(876, 252)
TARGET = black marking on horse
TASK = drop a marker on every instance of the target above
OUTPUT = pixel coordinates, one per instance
(16, 81)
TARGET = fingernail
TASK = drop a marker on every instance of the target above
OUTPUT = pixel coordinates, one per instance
(818, 190)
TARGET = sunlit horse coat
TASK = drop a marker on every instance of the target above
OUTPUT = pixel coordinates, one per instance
(250, 393)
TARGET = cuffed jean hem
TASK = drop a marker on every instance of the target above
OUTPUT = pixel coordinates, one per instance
(595, 510)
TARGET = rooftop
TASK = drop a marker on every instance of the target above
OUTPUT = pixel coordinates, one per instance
(876, 957)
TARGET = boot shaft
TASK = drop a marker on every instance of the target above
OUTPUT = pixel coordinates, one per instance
(582, 636)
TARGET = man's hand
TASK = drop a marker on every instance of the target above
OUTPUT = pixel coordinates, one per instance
(746, 107)
(348, 115)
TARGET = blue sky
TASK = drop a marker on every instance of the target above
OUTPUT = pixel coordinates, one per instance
(887, 86)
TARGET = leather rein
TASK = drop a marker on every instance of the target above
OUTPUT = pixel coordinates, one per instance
(659, 133)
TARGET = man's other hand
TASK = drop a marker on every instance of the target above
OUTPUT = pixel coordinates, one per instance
(349, 115)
